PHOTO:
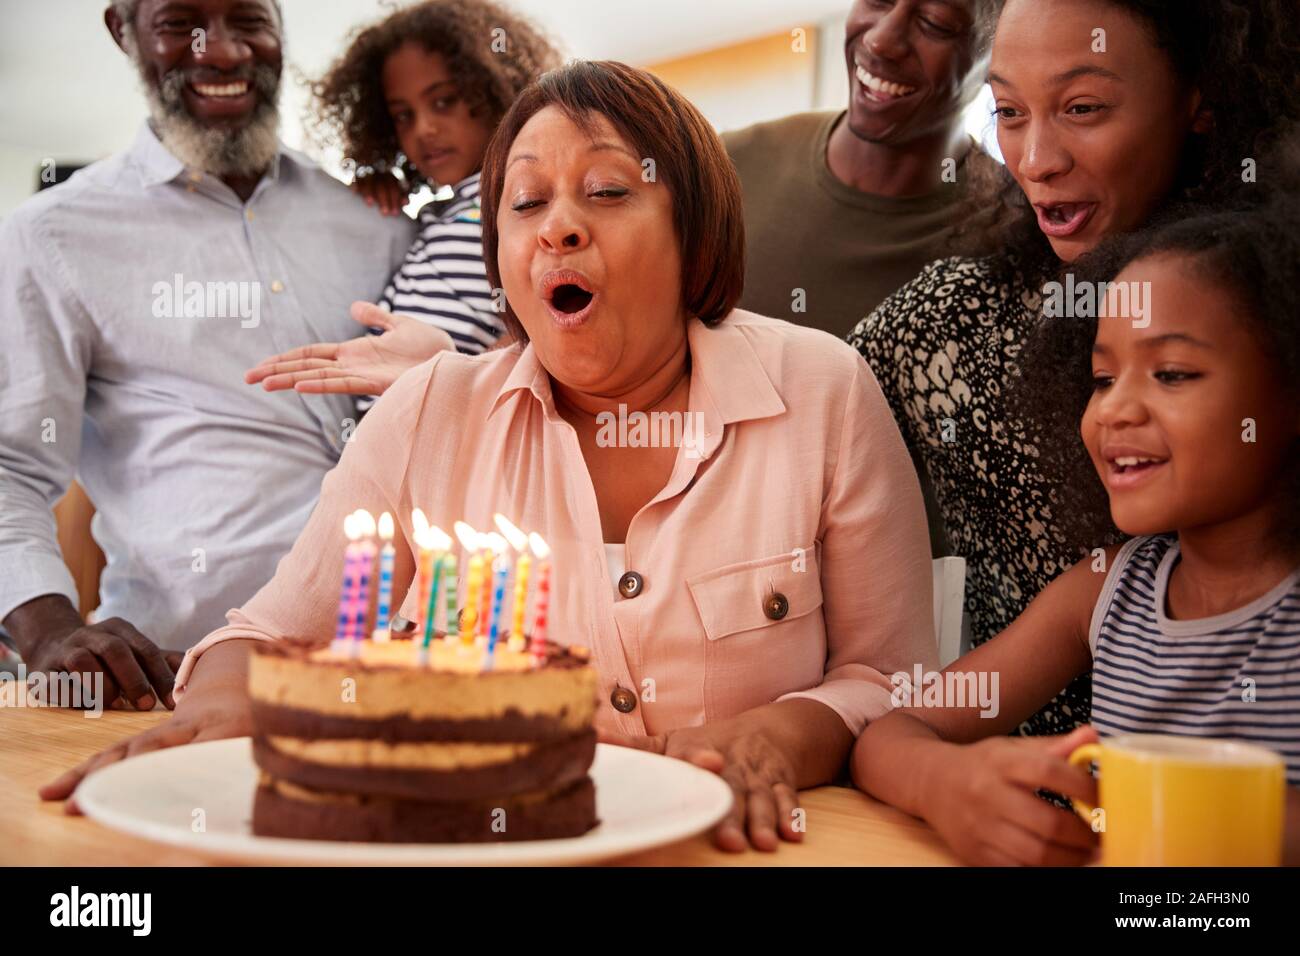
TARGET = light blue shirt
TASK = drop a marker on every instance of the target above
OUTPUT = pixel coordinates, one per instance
(201, 482)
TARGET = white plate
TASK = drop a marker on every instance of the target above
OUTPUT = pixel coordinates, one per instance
(643, 801)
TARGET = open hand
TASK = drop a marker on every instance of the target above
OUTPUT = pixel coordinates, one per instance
(366, 365)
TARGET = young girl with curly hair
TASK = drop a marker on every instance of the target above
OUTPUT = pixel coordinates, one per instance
(412, 102)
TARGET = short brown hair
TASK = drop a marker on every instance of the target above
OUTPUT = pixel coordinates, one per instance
(689, 157)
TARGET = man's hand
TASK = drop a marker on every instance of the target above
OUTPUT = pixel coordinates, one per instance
(362, 366)
(52, 638)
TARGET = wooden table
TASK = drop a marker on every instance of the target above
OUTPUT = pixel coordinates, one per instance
(845, 827)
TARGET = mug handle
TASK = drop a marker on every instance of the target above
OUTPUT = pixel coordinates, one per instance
(1081, 757)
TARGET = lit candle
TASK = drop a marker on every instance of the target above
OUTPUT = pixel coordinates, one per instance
(502, 568)
(386, 557)
(438, 542)
(494, 546)
(347, 593)
(365, 524)
(452, 626)
(473, 581)
(543, 552)
(519, 544)
(423, 561)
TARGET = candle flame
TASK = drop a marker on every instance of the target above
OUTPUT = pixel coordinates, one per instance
(518, 540)
(365, 523)
(438, 539)
(493, 542)
(386, 526)
(419, 524)
(467, 535)
(539, 546)
(350, 527)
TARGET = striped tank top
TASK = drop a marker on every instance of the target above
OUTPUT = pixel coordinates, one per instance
(443, 280)
(1235, 675)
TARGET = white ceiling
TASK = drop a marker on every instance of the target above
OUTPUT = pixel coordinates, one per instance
(70, 93)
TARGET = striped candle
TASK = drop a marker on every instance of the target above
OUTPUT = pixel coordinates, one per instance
(519, 544)
(365, 562)
(452, 626)
(543, 602)
(502, 568)
(387, 555)
(347, 592)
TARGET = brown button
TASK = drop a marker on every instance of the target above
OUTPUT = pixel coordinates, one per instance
(776, 606)
(630, 584)
(624, 700)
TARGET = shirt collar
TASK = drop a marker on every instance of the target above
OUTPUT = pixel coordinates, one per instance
(157, 164)
(728, 381)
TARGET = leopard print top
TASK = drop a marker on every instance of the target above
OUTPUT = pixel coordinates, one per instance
(943, 349)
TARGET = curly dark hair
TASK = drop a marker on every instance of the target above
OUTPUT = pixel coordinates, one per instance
(1243, 56)
(348, 106)
(1252, 249)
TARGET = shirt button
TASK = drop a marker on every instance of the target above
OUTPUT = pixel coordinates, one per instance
(249, 215)
(630, 584)
(624, 700)
(776, 606)
(277, 286)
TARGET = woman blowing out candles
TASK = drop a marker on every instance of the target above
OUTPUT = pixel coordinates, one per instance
(745, 592)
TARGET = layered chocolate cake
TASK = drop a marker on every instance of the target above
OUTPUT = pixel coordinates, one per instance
(386, 742)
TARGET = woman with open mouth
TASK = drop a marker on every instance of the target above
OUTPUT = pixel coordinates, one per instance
(746, 594)
(1108, 113)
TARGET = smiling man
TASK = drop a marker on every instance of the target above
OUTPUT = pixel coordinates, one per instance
(133, 298)
(842, 208)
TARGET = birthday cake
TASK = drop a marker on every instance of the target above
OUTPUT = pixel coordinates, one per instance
(393, 741)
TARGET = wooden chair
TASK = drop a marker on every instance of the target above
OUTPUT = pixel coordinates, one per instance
(80, 552)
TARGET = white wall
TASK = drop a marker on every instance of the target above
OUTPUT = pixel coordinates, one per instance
(67, 94)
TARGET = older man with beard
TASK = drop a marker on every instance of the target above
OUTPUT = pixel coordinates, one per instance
(133, 298)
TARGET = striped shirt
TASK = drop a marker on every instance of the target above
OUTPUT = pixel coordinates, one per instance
(443, 280)
(1234, 675)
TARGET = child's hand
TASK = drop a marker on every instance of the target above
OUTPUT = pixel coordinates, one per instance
(383, 190)
(984, 805)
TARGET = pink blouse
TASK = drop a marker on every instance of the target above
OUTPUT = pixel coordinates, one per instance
(786, 557)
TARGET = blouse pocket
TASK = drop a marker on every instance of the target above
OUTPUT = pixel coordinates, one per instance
(756, 594)
(765, 633)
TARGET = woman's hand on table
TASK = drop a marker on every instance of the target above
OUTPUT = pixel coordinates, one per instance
(983, 801)
(366, 365)
(212, 715)
(766, 756)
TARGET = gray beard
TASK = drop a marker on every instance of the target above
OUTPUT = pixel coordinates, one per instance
(244, 151)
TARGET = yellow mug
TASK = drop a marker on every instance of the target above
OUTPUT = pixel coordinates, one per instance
(1185, 801)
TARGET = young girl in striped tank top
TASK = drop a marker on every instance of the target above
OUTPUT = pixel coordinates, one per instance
(1189, 404)
(417, 96)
